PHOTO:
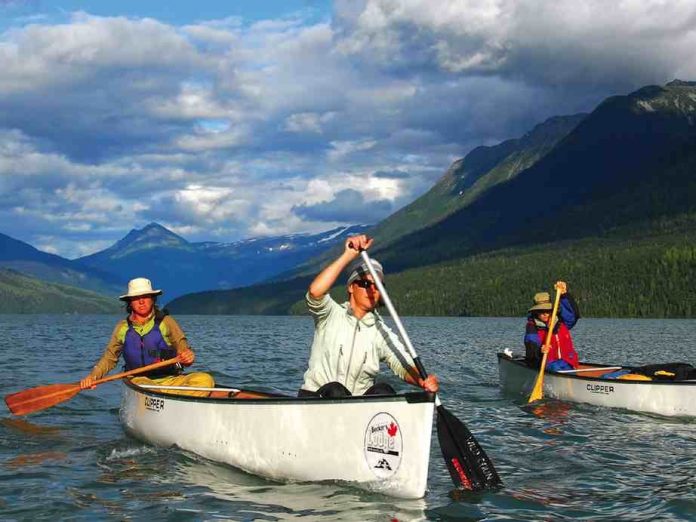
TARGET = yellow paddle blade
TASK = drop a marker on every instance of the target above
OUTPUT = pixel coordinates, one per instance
(538, 391)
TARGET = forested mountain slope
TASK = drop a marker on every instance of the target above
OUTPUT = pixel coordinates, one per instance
(611, 208)
(629, 163)
(21, 294)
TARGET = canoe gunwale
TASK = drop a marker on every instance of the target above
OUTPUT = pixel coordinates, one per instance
(579, 377)
(409, 397)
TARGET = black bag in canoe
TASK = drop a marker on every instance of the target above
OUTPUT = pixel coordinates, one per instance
(667, 371)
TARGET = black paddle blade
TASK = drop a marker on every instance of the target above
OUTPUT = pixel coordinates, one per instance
(467, 463)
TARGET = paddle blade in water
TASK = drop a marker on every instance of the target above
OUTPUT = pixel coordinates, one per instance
(466, 461)
(40, 398)
(537, 391)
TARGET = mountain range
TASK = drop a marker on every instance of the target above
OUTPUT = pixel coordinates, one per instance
(171, 262)
(24, 258)
(629, 162)
(22, 294)
(582, 187)
(604, 200)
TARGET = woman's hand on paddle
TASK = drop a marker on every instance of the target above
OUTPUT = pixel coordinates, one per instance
(355, 244)
(430, 383)
(87, 382)
(562, 287)
(186, 357)
(545, 349)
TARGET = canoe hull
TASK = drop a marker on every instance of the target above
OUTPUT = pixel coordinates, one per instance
(659, 397)
(381, 444)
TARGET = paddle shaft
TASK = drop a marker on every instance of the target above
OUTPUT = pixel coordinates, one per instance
(466, 461)
(399, 325)
(136, 371)
(538, 390)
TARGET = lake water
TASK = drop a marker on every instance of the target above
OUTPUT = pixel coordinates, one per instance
(558, 461)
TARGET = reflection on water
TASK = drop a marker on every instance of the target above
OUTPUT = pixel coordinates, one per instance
(21, 425)
(557, 460)
(295, 500)
(32, 459)
(556, 412)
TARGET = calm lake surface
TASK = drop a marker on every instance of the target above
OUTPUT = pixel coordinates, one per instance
(559, 461)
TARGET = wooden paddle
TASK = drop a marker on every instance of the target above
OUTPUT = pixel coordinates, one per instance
(538, 390)
(42, 397)
(467, 463)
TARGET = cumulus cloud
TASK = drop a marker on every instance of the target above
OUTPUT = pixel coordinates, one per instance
(347, 206)
(561, 42)
(227, 129)
(308, 122)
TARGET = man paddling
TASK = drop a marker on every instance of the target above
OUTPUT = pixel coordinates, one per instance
(350, 340)
(147, 336)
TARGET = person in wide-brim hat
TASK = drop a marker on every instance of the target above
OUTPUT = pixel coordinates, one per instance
(561, 352)
(148, 336)
(139, 287)
(542, 303)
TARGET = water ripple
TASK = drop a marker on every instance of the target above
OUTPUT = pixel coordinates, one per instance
(558, 460)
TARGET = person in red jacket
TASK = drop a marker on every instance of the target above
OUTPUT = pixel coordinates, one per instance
(561, 352)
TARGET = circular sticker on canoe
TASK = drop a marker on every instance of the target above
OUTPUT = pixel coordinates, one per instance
(383, 445)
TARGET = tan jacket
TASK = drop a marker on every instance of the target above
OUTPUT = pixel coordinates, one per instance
(171, 332)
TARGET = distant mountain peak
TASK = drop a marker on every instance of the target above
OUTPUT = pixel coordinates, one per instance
(153, 225)
(154, 231)
(152, 235)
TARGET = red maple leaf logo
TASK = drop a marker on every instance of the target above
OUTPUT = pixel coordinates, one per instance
(391, 430)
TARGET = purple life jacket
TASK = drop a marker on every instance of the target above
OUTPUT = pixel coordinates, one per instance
(149, 349)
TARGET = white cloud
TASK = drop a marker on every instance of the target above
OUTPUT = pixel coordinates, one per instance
(308, 122)
(39, 56)
(342, 149)
(223, 127)
(558, 42)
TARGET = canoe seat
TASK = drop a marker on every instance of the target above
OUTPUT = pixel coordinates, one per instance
(219, 395)
(250, 395)
(590, 373)
(242, 394)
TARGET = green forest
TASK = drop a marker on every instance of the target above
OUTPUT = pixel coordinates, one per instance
(20, 294)
(642, 274)
(650, 277)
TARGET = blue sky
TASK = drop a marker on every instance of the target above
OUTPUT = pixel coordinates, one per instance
(227, 120)
(175, 12)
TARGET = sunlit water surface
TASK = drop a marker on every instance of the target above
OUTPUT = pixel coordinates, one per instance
(558, 460)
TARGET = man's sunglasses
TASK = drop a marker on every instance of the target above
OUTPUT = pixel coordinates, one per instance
(365, 283)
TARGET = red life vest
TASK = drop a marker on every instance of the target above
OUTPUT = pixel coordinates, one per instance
(561, 346)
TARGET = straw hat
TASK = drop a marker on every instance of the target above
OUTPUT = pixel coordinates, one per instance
(542, 303)
(138, 287)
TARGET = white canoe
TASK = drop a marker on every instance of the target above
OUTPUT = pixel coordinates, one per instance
(670, 398)
(379, 443)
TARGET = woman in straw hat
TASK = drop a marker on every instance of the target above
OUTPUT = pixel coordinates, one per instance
(561, 353)
(146, 336)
